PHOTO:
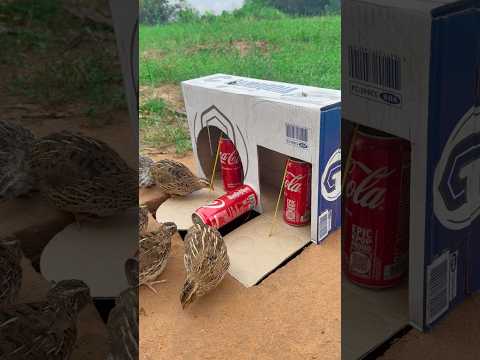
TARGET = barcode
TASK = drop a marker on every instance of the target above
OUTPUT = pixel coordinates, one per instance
(324, 224)
(297, 132)
(375, 67)
(437, 290)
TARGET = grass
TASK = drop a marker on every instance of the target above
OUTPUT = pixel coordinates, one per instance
(162, 127)
(261, 43)
(292, 49)
(47, 68)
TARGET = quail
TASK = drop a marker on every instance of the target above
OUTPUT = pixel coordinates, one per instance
(145, 178)
(142, 219)
(16, 144)
(83, 176)
(154, 250)
(175, 179)
(10, 270)
(123, 319)
(45, 330)
(206, 262)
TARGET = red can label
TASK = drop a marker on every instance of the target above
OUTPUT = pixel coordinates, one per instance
(232, 170)
(296, 209)
(376, 211)
(227, 207)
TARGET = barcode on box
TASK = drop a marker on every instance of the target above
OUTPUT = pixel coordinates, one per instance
(324, 224)
(437, 288)
(375, 67)
(297, 135)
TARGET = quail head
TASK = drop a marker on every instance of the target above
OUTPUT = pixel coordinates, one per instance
(10, 270)
(45, 330)
(145, 178)
(15, 160)
(175, 179)
(206, 262)
(83, 176)
(154, 250)
(123, 319)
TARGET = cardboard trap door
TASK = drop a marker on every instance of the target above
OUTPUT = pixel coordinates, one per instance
(93, 252)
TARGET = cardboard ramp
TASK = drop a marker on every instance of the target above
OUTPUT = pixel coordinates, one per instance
(180, 209)
(253, 253)
(375, 315)
(93, 252)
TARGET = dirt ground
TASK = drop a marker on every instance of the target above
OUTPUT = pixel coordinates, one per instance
(455, 337)
(293, 314)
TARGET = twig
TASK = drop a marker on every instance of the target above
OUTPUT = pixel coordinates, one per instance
(215, 164)
(278, 199)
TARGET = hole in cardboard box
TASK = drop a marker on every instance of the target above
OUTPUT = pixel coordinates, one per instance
(271, 166)
(207, 143)
(388, 308)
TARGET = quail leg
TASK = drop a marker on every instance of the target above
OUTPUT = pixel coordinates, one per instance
(150, 285)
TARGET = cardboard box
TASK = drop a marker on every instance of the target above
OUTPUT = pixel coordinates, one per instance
(271, 121)
(412, 69)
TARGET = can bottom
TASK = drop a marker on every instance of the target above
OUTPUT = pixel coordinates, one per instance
(375, 286)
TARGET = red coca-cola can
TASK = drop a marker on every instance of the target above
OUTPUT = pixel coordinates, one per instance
(232, 170)
(227, 207)
(296, 195)
(376, 225)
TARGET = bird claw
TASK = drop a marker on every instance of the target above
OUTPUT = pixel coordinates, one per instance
(150, 285)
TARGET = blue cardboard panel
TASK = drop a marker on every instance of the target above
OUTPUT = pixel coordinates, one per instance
(453, 180)
(329, 194)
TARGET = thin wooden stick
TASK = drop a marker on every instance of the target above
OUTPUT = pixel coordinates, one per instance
(349, 156)
(215, 164)
(278, 199)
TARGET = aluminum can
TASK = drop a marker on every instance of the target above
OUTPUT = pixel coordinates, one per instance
(232, 170)
(376, 225)
(297, 192)
(227, 207)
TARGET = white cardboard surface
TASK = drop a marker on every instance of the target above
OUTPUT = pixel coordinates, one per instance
(94, 253)
(378, 315)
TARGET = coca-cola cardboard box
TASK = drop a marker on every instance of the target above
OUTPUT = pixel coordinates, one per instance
(291, 120)
(411, 69)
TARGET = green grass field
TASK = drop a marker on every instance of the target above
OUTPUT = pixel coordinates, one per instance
(301, 50)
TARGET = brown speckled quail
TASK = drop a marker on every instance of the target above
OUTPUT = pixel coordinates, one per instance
(154, 250)
(15, 151)
(10, 270)
(83, 176)
(142, 219)
(206, 262)
(123, 319)
(145, 178)
(45, 330)
(175, 179)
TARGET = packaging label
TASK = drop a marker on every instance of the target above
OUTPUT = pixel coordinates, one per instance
(375, 76)
(297, 135)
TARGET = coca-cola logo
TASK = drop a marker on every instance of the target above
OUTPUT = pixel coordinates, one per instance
(293, 183)
(237, 193)
(232, 158)
(216, 204)
(366, 192)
